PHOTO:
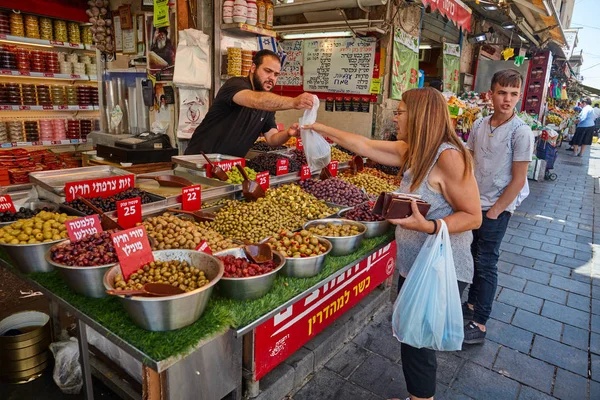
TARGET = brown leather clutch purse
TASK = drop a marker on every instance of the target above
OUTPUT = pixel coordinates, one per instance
(397, 206)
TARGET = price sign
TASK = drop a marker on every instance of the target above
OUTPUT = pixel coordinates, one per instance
(6, 204)
(102, 187)
(262, 178)
(133, 249)
(333, 168)
(226, 166)
(191, 198)
(83, 227)
(305, 172)
(299, 144)
(203, 247)
(283, 165)
(129, 212)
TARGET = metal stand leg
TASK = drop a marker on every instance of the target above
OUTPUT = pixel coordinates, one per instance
(86, 370)
(55, 315)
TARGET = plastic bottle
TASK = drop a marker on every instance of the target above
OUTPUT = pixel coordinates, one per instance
(252, 17)
(240, 11)
(262, 13)
(228, 11)
(270, 14)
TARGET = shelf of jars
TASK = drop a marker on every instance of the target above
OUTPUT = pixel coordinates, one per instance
(45, 43)
(47, 108)
(67, 142)
(47, 75)
(249, 28)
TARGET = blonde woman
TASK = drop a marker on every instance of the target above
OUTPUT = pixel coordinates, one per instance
(439, 168)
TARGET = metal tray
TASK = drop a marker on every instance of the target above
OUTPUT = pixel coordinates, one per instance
(112, 214)
(197, 161)
(33, 205)
(54, 181)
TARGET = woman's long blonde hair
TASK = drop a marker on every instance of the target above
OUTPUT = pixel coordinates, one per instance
(428, 127)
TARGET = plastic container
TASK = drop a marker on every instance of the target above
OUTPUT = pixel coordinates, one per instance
(240, 11)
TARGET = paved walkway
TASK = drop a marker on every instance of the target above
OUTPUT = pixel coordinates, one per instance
(544, 335)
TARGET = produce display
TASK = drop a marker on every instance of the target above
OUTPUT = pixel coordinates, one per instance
(285, 207)
(334, 190)
(386, 169)
(109, 203)
(335, 230)
(44, 227)
(237, 267)
(176, 273)
(215, 203)
(364, 213)
(344, 150)
(372, 184)
(391, 179)
(339, 155)
(93, 250)
(291, 142)
(236, 178)
(268, 162)
(297, 244)
(171, 232)
(261, 145)
(299, 156)
(23, 213)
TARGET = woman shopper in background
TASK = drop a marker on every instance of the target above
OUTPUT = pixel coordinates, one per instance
(438, 167)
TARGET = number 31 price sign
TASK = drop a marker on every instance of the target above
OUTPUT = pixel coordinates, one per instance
(191, 198)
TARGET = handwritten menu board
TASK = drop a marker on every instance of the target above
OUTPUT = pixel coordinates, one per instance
(291, 73)
(338, 65)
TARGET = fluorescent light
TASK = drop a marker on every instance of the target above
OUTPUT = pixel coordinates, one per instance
(24, 43)
(547, 7)
(490, 8)
(424, 46)
(508, 25)
(315, 35)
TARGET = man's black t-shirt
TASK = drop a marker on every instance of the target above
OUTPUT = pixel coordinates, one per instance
(229, 128)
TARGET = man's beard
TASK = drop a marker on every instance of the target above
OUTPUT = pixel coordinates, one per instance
(258, 86)
(161, 43)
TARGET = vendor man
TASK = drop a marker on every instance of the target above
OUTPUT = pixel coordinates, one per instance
(244, 108)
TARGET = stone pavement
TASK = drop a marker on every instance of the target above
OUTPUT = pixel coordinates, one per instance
(544, 336)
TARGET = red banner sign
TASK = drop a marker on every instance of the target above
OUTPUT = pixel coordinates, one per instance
(305, 173)
(279, 337)
(225, 165)
(282, 166)
(333, 168)
(81, 228)
(129, 212)
(102, 187)
(191, 198)
(6, 204)
(262, 178)
(133, 249)
(454, 10)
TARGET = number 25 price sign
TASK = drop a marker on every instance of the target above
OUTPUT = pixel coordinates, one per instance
(129, 212)
(191, 198)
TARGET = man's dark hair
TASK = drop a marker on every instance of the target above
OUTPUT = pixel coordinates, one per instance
(596, 105)
(259, 57)
(508, 78)
(437, 83)
(588, 101)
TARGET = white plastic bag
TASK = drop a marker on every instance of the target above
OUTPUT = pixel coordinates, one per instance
(192, 64)
(193, 107)
(67, 370)
(317, 150)
(427, 313)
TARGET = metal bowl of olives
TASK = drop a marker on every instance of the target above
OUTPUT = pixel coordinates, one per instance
(29, 209)
(374, 228)
(252, 287)
(307, 266)
(85, 280)
(343, 241)
(171, 312)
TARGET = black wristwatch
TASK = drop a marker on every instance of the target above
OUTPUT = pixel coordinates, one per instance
(435, 226)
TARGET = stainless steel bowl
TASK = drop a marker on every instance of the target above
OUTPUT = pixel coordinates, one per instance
(248, 288)
(342, 245)
(305, 267)
(29, 258)
(374, 228)
(172, 312)
(84, 280)
(33, 205)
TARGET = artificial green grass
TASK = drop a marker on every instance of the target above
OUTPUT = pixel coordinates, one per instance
(220, 313)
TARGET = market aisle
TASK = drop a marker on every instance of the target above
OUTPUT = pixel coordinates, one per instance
(544, 338)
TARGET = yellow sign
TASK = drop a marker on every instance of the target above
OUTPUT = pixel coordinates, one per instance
(375, 86)
(161, 13)
(508, 53)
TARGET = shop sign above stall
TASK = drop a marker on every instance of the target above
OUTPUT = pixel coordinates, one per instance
(279, 337)
(133, 249)
(102, 187)
(405, 65)
(129, 212)
(6, 204)
(83, 227)
(454, 10)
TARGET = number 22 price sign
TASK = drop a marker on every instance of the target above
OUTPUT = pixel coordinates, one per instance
(129, 212)
(191, 198)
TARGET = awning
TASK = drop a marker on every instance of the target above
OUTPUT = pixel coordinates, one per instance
(455, 10)
(557, 34)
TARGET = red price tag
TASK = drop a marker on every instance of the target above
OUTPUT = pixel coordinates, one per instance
(102, 187)
(262, 178)
(305, 173)
(225, 165)
(6, 204)
(283, 165)
(191, 198)
(83, 227)
(333, 168)
(133, 249)
(129, 212)
(299, 144)
(203, 247)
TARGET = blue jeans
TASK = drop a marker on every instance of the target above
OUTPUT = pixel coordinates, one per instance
(486, 250)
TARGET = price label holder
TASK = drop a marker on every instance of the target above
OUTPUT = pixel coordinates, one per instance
(191, 198)
(299, 145)
(102, 187)
(83, 227)
(333, 168)
(129, 212)
(203, 247)
(262, 178)
(133, 249)
(6, 204)
(283, 166)
(305, 172)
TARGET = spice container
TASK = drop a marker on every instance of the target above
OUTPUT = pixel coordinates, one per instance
(66, 67)
(72, 96)
(7, 59)
(32, 27)
(270, 14)
(4, 24)
(17, 27)
(22, 59)
(31, 131)
(3, 132)
(13, 94)
(60, 132)
(15, 131)
(58, 95)
(74, 32)
(37, 61)
(73, 129)
(86, 35)
(60, 31)
(29, 94)
(46, 28)
(46, 130)
(85, 127)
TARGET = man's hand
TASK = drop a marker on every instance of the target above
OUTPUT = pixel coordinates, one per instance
(294, 130)
(491, 214)
(303, 102)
